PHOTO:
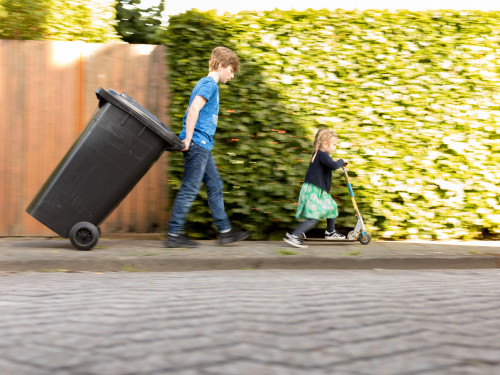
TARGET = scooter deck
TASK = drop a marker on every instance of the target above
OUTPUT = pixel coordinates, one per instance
(319, 239)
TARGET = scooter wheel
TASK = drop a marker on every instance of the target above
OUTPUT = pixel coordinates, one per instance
(365, 239)
(84, 235)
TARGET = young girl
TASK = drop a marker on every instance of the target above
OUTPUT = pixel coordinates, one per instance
(315, 202)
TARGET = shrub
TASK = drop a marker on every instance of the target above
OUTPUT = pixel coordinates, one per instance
(413, 96)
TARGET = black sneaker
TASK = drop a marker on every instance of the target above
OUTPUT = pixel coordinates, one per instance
(294, 241)
(180, 241)
(232, 236)
(334, 235)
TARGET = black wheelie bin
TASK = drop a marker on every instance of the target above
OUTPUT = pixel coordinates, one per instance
(116, 148)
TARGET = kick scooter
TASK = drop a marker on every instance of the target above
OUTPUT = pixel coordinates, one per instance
(359, 231)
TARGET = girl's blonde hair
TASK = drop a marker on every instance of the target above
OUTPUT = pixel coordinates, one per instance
(322, 136)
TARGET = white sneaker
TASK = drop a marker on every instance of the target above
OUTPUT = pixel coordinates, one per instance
(294, 241)
(334, 235)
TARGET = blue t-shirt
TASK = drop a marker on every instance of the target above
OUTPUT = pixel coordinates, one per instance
(206, 125)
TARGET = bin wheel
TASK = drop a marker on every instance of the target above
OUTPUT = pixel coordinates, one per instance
(365, 239)
(84, 235)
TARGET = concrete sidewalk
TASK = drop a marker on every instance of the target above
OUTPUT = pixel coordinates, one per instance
(146, 253)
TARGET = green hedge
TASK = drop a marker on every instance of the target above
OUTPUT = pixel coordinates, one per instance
(415, 97)
(70, 20)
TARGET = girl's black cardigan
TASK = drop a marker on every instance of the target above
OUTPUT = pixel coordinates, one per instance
(320, 171)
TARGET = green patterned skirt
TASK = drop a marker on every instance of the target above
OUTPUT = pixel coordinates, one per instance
(315, 203)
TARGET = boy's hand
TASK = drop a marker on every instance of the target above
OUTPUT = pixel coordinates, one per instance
(186, 145)
(345, 163)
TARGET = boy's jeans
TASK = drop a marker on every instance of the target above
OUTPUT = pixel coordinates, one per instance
(198, 166)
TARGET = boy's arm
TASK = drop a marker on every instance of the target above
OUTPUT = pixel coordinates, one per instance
(192, 117)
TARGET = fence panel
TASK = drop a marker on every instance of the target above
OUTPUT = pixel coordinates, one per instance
(47, 95)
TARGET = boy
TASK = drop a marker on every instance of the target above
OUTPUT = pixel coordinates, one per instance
(199, 126)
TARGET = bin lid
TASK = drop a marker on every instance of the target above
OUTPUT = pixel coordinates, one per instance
(129, 105)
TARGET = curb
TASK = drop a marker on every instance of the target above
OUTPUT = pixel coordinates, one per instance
(249, 263)
(131, 254)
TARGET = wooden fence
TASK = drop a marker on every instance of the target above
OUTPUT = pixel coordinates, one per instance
(47, 95)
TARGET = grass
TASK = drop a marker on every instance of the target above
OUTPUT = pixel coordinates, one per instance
(286, 252)
(129, 268)
(354, 253)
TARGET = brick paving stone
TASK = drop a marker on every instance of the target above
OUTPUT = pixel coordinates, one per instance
(8, 367)
(467, 369)
(251, 322)
(243, 367)
(401, 363)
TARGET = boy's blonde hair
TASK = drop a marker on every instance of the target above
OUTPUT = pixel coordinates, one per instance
(323, 135)
(224, 56)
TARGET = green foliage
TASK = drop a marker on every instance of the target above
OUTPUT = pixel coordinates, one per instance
(23, 19)
(413, 95)
(85, 20)
(258, 146)
(136, 25)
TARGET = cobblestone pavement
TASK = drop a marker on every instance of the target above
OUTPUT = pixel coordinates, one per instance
(251, 322)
